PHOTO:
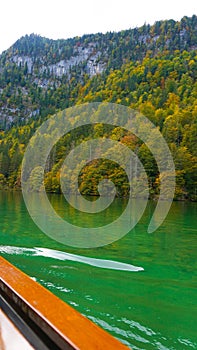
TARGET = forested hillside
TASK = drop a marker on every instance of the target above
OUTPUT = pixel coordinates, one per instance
(152, 69)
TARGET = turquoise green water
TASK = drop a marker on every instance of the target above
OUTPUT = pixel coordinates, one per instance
(154, 308)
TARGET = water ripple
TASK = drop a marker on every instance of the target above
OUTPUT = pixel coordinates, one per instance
(59, 255)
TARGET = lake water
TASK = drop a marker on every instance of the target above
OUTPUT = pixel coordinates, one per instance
(154, 308)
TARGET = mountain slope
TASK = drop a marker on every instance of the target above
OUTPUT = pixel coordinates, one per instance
(34, 67)
(152, 69)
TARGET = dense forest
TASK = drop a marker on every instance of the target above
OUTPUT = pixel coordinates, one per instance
(152, 69)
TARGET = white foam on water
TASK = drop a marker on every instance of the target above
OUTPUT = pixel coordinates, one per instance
(59, 255)
(106, 264)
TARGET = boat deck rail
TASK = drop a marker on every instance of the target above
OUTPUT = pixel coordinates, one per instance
(43, 320)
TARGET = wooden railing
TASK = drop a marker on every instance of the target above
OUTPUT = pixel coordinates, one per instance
(44, 320)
